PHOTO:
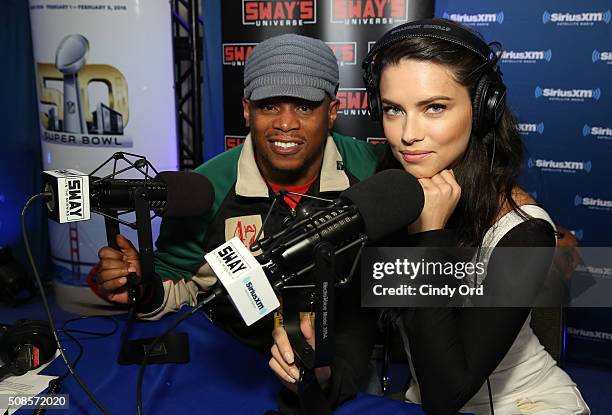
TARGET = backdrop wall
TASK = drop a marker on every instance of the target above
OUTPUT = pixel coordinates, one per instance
(20, 166)
(558, 67)
(557, 64)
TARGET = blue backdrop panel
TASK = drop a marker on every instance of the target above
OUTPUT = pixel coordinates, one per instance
(557, 64)
(20, 163)
(212, 93)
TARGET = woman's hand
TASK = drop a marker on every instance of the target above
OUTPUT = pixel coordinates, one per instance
(442, 193)
(283, 362)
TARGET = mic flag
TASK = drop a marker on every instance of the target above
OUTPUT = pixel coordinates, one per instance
(244, 280)
(70, 195)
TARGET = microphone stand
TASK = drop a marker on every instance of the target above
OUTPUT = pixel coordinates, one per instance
(133, 351)
(147, 267)
(321, 295)
(145, 243)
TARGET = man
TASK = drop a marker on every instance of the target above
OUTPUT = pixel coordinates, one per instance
(289, 104)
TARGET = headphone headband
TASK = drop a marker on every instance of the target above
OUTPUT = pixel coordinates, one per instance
(488, 102)
(446, 30)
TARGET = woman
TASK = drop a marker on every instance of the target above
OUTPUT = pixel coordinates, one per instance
(435, 86)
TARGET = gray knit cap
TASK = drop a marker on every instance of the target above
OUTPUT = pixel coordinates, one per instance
(291, 66)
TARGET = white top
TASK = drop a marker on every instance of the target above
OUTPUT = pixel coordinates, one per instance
(527, 371)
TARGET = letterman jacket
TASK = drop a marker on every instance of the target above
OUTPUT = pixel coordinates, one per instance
(242, 200)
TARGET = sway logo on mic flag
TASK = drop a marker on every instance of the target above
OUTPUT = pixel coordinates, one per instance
(70, 190)
(244, 279)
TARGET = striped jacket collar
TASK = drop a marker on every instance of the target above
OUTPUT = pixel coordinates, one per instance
(250, 182)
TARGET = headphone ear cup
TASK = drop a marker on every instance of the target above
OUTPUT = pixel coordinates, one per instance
(374, 105)
(373, 97)
(478, 118)
(488, 104)
(34, 332)
(496, 101)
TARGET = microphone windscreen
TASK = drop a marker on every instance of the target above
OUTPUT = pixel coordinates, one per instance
(189, 194)
(387, 202)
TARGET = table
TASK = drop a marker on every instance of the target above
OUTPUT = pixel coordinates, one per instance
(223, 376)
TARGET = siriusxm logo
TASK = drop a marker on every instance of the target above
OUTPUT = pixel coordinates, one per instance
(592, 203)
(604, 133)
(556, 94)
(597, 56)
(248, 284)
(479, 19)
(597, 272)
(601, 336)
(560, 166)
(526, 56)
(575, 19)
(526, 129)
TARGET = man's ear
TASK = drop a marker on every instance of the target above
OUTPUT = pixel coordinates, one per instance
(246, 111)
(332, 112)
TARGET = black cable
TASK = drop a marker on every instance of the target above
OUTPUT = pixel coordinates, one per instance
(79, 355)
(53, 389)
(91, 333)
(46, 305)
(56, 384)
(492, 154)
(67, 332)
(127, 327)
(490, 397)
(256, 240)
(150, 347)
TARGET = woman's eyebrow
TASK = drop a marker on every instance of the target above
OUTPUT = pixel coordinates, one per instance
(389, 102)
(420, 103)
(432, 99)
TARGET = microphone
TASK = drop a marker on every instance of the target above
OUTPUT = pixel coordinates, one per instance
(244, 279)
(385, 203)
(170, 194)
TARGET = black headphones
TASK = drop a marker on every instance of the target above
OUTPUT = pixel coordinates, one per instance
(489, 100)
(25, 346)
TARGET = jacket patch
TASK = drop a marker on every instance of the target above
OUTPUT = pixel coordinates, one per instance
(244, 228)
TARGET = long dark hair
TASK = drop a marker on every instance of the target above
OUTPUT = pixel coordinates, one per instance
(482, 182)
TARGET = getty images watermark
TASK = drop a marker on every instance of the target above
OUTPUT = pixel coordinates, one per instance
(486, 277)
(403, 268)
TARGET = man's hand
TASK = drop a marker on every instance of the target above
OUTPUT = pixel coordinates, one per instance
(442, 193)
(568, 254)
(283, 363)
(113, 269)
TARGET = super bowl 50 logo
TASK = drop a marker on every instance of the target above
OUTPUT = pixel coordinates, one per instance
(354, 12)
(279, 12)
(80, 104)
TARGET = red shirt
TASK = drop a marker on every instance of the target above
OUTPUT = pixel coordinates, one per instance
(292, 200)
